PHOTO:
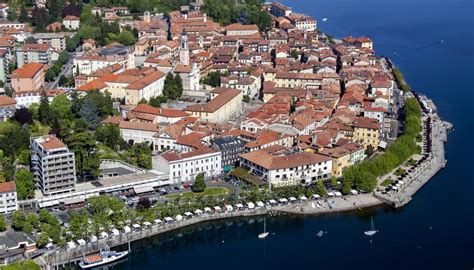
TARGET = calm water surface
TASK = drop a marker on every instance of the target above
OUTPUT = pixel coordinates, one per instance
(435, 231)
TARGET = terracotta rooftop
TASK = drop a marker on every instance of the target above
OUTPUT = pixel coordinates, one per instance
(28, 70)
(6, 100)
(50, 142)
(174, 156)
(138, 126)
(7, 187)
(225, 95)
(277, 157)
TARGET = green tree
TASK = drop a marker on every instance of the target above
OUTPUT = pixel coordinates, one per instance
(179, 86)
(199, 183)
(320, 189)
(170, 89)
(84, 147)
(87, 31)
(22, 116)
(246, 98)
(8, 90)
(90, 112)
(12, 15)
(78, 224)
(126, 38)
(213, 79)
(22, 265)
(369, 151)
(3, 225)
(140, 154)
(23, 14)
(61, 105)
(45, 114)
(24, 157)
(294, 53)
(109, 135)
(18, 220)
(50, 75)
(13, 138)
(24, 184)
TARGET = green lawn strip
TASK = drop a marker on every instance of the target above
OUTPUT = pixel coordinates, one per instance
(212, 191)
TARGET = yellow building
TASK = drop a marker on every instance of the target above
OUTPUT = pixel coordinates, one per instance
(225, 104)
(344, 156)
(367, 132)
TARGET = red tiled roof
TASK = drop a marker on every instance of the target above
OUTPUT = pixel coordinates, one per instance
(7, 187)
(6, 100)
(28, 70)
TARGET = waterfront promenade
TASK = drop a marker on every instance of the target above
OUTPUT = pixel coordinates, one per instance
(429, 168)
(66, 256)
(331, 205)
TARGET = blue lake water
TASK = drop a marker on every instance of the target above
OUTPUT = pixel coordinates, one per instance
(435, 231)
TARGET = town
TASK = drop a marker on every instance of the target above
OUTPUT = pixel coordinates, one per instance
(120, 119)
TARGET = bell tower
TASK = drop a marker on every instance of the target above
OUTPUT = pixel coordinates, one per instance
(184, 50)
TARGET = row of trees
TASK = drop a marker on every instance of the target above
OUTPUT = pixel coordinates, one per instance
(244, 12)
(44, 222)
(363, 176)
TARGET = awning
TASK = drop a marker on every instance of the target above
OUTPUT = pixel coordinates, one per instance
(228, 168)
(229, 207)
(250, 205)
(316, 196)
(168, 219)
(303, 198)
(136, 226)
(146, 223)
(157, 221)
(239, 205)
(217, 208)
(260, 204)
(272, 201)
(292, 199)
(198, 211)
(283, 200)
(188, 214)
(207, 209)
(74, 201)
(179, 217)
(143, 189)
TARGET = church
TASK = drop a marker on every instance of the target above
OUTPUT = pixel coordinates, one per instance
(187, 70)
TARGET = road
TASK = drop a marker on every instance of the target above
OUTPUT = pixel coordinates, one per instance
(65, 70)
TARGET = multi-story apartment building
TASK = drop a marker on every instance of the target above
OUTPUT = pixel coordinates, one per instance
(367, 131)
(303, 22)
(231, 148)
(344, 156)
(30, 77)
(4, 62)
(34, 53)
(57, 41)
(281, 166)
(52, 165)
(8, 197)
(184, 167)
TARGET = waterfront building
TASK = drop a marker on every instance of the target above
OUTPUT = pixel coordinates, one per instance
(231, 148)
(30, 77)
(302, 22)
(183, 167)
(52, 165)
(8, 197)
(280, 10)
(238, 29)
(281, 166)
(344, 156)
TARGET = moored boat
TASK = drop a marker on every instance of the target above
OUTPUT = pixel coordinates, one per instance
(102, 258)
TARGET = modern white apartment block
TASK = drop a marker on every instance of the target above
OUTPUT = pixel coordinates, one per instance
(52, 165)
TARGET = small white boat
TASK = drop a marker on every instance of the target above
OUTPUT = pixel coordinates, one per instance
(265, 233)
(320, 234)
(325, 19)
(372, 230)
(104, 257)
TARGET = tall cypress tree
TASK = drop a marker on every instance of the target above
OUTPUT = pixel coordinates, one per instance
(44, 111)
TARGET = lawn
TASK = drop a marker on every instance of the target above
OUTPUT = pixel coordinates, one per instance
(212, 191)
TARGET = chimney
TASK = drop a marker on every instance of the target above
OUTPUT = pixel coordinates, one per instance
(185, 16)
(205, 17)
